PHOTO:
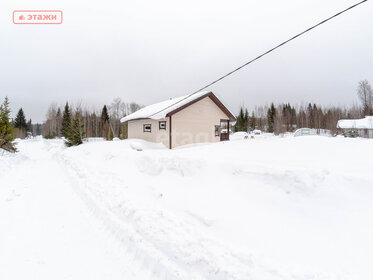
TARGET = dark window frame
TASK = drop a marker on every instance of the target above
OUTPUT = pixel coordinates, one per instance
(165, 125)
(144, 130)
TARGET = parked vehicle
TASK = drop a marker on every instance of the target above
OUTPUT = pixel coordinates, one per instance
(351, 133)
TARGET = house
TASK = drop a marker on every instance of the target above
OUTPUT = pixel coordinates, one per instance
(361, 127)
(196, 118)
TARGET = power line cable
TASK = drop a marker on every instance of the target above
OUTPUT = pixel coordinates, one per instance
(263, 54)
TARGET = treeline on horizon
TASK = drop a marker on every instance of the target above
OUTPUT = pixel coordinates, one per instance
(285, 117)
(105, 123)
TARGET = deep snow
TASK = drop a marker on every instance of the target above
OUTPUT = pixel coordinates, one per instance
(262, 208)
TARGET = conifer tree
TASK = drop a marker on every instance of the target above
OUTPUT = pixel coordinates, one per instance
(29, 126)
(76, 131)
(58, 122)
(104, 114)
(66, 122)
(240, 122)
(75, 135)
(271, 118)
(252, 121)
(20, 120)
(310, 116)
(6, 130)
(105, 123)
(246, 120)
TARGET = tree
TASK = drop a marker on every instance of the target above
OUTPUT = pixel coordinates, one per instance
(6, 130)
(52, 126)
(58, 122)
(29, 126)
(240, 122)
(20, 124)
(104, 114)
(271, 118)
(20, 120)
(246, 120)
(310, 116)
(105, 123)
(66, 122)
(365, 94)
(252, 124)
(133, 107)
(116, 107)
(75, 135)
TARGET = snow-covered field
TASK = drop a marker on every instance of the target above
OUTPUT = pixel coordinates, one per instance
(262, 208)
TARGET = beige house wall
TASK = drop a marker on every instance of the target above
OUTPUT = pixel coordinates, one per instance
(136, 130)
(193, 124)
(196, 123)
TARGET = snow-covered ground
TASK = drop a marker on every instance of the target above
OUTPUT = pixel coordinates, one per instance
(262, 208)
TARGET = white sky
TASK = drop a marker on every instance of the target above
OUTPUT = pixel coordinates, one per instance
(148, 51)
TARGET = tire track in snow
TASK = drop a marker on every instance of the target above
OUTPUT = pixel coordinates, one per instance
(150, 259)
(215, 262)
(47, 232)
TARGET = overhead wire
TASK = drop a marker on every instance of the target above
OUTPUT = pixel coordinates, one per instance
(260, 56)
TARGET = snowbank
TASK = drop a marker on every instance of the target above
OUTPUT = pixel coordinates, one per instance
(366, 123)
(268, 208)
(240, 208)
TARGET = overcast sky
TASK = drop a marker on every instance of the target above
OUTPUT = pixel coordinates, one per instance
(148, 51)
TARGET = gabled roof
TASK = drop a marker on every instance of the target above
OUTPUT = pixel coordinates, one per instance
(366, 123)
(169, 107)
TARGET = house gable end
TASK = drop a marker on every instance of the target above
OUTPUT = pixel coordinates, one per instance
(213, 98)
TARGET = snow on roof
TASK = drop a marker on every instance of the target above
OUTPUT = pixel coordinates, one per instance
(365, 123)
(160, 110)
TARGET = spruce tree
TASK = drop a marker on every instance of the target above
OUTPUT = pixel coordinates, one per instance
(66, 122)
(271, 118)
(104, 114)
(310, 116)
(20, 120)
(240, 122)
(6, 130)
(246, 120)
(105, 123)
(58, 122)
(75, 135)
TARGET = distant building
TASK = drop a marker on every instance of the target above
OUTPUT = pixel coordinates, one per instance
(360, 127)
(198, 118)
(305, 131)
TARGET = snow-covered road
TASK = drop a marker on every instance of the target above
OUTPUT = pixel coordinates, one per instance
(46, 232)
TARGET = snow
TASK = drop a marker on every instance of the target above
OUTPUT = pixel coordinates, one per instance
(366, 123)
(160, 110)
(261, 208)
(239, 135)
(311, 131)
(257, 131)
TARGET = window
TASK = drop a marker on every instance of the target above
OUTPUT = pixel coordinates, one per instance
(162, 125)
(217, 130)
(147, 128)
